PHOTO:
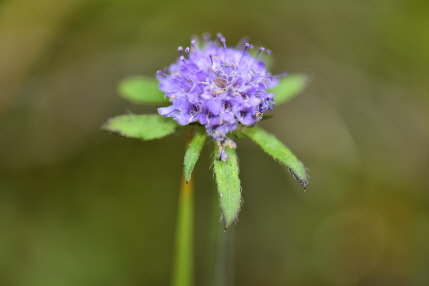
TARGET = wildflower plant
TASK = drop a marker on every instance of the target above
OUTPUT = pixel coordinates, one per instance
(220, 93)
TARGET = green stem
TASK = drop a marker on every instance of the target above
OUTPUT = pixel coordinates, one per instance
(221, 255)
(183, 273)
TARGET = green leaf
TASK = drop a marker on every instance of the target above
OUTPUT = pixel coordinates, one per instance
(289, 87)
(193, 152)
(272, 146)
(145, 127)
(142, 90)
(228, 185)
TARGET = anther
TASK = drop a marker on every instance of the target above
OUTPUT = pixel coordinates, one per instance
(194, 44)
(180, 50)
(187, 50)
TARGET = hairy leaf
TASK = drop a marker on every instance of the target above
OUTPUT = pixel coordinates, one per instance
(289, 87)
(193, 152)
(145, 127)
(228, 185)
(142, 90)
(272, 146)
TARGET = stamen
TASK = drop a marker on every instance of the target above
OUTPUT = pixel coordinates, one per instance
(211, 58)
(181, 83)
(194, 42)
(161, 73)
(253, 79)
(267, 52)
(187, 50)
(241, 43)
(246, 46)
(261, 49)
(223, 40)
(257, 55)
(182, 58)
(180, 50)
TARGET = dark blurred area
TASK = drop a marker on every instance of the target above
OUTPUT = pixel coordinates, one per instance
(82, 207)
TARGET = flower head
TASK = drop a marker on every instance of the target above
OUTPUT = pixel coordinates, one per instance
(217, 86)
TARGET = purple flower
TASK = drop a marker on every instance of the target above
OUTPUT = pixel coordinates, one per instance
(217, 86)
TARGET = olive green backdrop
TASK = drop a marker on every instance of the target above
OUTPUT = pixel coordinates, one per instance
(82, 207)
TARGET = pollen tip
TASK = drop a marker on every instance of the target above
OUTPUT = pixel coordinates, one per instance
(187, 50)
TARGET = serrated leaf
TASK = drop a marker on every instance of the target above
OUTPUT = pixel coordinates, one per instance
(193, 152)
(142, 90)
(272, 146)
(145, 127)
(289, 87)
(228, 184)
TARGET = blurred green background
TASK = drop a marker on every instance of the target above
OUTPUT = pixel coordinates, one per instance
(82, 207)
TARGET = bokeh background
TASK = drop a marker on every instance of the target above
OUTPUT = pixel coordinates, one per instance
(82, 207)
